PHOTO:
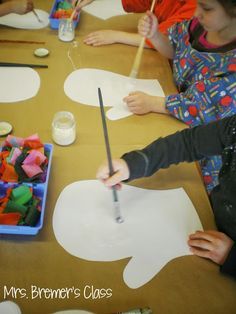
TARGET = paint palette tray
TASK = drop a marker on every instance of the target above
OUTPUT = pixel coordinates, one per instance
(55, 21)
(39, 191)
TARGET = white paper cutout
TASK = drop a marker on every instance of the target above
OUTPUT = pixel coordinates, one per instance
(9, 307)
(155, 230)
(82, 86)
(26, 21)
(18, 84)
(105, 9)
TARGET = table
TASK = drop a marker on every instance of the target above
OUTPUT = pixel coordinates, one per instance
(185, 285)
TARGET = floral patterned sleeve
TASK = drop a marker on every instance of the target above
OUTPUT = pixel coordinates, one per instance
(173, 34)
(205, 101)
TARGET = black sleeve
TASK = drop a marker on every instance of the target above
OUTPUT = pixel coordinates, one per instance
(229, 266)
(187, 145)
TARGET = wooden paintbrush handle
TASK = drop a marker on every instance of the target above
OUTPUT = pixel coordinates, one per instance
(138, 57)
(137, 60)
(21, 41)
(152, 6)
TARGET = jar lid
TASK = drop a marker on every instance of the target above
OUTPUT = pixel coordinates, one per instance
(41, 52)
(5, 128)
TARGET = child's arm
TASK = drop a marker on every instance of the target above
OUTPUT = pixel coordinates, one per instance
(148, 27)
(187, 145)
(198, 100)
(142, 103)
(107, 37)
(16, 6)
(216, 246)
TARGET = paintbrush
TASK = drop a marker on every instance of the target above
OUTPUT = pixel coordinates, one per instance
(74, 4)
(21, 41)
(14, 64)
(118, 215)
(37, 16)
(137, 60)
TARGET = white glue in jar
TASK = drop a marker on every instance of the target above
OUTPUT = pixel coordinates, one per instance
(66, 30)
(63, 128)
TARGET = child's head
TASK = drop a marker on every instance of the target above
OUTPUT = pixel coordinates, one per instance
(215, 15)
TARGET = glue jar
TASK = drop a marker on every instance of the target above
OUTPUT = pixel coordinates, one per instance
(63, 128)
(66, 30)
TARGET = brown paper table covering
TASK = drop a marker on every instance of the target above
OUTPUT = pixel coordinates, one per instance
(185, 285)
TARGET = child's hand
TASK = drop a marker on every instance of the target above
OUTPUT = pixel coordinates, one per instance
(210, 244)
(121, 172)
(21, 6)
(102, 37)
(147, 26)
(141, 103)
(82, 4)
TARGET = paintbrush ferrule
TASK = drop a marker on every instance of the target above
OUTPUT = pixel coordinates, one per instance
(118, 217)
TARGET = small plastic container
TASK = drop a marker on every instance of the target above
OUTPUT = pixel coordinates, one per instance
(63, 128)
(66, 30)
(54, 22)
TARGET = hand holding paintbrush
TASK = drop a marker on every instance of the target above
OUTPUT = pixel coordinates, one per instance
(116, 203)
(137, 60)
(120, 173)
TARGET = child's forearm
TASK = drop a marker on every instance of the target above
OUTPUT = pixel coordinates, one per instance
(187, 145)
(162, 44)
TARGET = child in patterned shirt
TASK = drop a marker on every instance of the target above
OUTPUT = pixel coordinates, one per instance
(204, 67)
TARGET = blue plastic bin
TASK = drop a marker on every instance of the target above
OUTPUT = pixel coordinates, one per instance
(54, 23)
(39, 190)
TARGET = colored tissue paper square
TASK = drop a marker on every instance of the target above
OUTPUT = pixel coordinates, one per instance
(14, 154)
(13, 141)
(34, 157)
(32, 170)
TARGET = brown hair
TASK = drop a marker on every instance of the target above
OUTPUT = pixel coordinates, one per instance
(229, 6)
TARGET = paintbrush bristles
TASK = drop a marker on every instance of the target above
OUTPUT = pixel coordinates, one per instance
(138, 57)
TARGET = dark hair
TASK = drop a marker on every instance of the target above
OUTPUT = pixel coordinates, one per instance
(229, 6)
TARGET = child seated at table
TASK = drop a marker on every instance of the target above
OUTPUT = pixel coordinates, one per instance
(216, 138)
(168, 13)
(204, 68)
(15, 6)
